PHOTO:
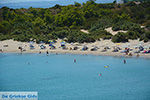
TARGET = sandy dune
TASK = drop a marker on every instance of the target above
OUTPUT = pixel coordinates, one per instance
(114, 32)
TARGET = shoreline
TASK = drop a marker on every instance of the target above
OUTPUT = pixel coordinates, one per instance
(83, 53)
(11, 46)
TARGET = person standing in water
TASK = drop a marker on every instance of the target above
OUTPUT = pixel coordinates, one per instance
(47, 53)
(28, 63)
(74, 60)
(124, 61)
(137, 55)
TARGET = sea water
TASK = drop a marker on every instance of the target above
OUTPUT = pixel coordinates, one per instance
(58, 77)
(42, 3)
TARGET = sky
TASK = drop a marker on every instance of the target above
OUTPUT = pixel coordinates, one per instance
(18, 1)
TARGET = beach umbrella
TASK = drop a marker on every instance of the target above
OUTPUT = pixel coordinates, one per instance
(63, 43)
(75, 48)
(31, 46)
(71, 43)
(141, 43)
(94, 49)
(51, 41)
(146, 47)
(84, 48)
(117, 43)
(115, 50)
(31, 42)
(42, 46)
(135, 46)
(106, 47)
(50, 44)
(41, 42)
(141, 48)
(52, 47)
(124, 46)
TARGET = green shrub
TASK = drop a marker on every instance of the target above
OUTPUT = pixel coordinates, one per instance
(61, 34)
(101, 24)
(101, 34)
(17, 31)
(77, 36)
(4, 37)
(125, 25)
(145, 36)
(132, 35)
(120, 37)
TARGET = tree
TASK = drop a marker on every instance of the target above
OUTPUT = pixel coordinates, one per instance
(38, 22)
(57, 6)
(77, 4)
(48, 17)
(101, 34)
(69, 16)
(114, 1)
(132, 35)
(89, 9)
(41, 12)
(19, 19)
(5, 27)
(33, 11)
(61, 34)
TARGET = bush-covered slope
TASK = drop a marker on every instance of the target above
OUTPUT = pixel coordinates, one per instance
(66, 21)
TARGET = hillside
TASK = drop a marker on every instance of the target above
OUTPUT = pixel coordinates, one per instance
(65, 22)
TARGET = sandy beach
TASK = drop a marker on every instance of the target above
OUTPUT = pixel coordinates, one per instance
(104, 47)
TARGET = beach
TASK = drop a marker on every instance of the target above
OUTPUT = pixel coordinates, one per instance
(103, 47)
(74, 50)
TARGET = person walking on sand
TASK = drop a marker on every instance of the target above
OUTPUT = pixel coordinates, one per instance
(124, 61)
(1, 50)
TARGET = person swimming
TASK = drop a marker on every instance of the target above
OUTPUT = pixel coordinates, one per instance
(28, 63)
(124, 61)
(100, 74)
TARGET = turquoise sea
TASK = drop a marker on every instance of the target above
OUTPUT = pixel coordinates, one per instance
(42, 3)
(57, 77)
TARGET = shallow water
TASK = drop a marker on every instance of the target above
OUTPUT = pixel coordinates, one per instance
(57, 77)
